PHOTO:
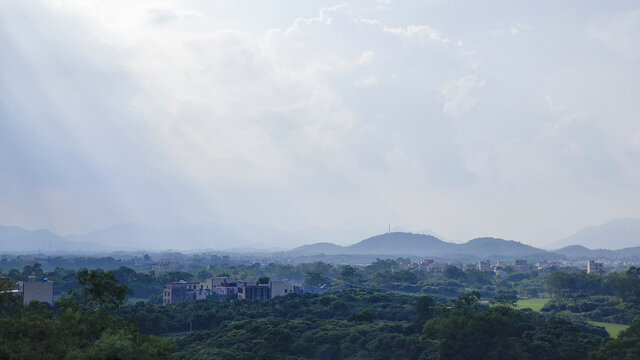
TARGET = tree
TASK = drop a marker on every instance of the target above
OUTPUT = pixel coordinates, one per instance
(425, 308)
(313, 278)
(203, 274)
(349, 275)
(262, 281)
(468, 302)
(627, 286)
(504, 300)
(625, 347)
(101, 289)
(9, 302)
(451, 272)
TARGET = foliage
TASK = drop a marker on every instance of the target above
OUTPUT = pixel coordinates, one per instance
(625, 347)
(74, 330)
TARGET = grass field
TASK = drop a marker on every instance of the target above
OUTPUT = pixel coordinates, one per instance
(612, 329)
(534, 304)
(537, 303)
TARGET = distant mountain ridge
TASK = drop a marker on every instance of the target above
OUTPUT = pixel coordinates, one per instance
(583, 253)
(16, 239)
(255, 239)
(133, 236)
(616, 234)
(409, 244)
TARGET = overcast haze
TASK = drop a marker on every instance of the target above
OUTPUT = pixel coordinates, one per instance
(471, 118)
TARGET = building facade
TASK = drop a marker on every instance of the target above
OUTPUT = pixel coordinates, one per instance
(594, 267)
(36, 290)
(182, 291)
(251, 291)
(484, 265)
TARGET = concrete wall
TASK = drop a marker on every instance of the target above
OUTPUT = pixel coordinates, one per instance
(36, 290)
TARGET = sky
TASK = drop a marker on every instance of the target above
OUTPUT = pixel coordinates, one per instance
(494, 118)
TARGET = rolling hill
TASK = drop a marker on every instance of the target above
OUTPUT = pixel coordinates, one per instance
(616, 234)
(408, 244)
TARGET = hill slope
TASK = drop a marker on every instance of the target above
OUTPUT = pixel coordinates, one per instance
(616, 234)
(491, 247)
(401, 243)
(16, 239)
(408, 244)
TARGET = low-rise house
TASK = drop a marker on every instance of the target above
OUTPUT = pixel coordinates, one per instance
(281, 288)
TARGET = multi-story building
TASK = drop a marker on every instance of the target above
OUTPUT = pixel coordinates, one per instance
(36, 290)
(212, 283)
(484, 265)
(522, 266)
(251, 291)
(226, 290)
(182, 291)
(594, 267)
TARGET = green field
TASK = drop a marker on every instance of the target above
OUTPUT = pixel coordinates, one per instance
(534, 304)
(612, 329)
(537, 304)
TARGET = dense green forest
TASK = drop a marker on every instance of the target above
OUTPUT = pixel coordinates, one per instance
(386, 274)
(610, 298)
(373, 312)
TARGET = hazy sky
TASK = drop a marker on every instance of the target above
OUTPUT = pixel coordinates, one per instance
(471, 118)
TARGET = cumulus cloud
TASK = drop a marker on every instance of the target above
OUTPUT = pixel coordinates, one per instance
(314, 117)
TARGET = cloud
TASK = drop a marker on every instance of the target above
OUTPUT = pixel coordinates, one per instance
(619, 31)
(456, 94)
(511, 31)
(341, 116)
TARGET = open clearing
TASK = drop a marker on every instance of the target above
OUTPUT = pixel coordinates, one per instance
(537, 303)
(534, 304)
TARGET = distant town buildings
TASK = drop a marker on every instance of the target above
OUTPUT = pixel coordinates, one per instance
(484, 265)
(183, 291)
(522, 266)
(594, 267)
(252, 291)
(36, 290)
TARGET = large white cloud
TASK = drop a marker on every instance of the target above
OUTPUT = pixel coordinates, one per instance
(163, 112)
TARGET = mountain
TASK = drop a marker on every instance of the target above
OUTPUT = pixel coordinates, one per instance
(579, 252)
(131, 236)
(208, 236)
(492, 247)
(616, 234)
(575, 251)
(316, 249)
(409, 244)
(401, 243)
(16, 239)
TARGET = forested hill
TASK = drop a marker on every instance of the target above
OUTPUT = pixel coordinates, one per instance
(409, 244)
